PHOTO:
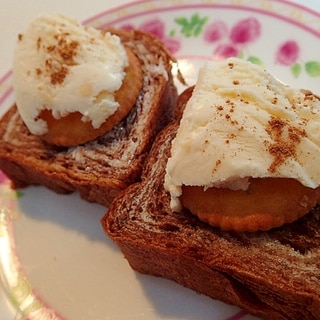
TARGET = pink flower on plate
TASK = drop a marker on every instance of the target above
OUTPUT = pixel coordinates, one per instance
(231, 40)
(127, 27)
(155, 27)
(172, 44)
(288, 53)
(224, 51)
(245, 31)
(3, 177)
(215, 31)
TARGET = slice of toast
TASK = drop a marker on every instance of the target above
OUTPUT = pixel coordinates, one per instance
(101, 168)
(272, 274)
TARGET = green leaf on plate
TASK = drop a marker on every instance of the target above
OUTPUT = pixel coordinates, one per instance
(313, 68)
(192, 27)
(296, 70)
(32, 307)
(19, 194)
(21, 291)
(255, 60)
(181, 21)
(172, 33)
(240, 55)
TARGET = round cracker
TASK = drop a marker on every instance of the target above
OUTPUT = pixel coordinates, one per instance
(267, 203)
(71, 130)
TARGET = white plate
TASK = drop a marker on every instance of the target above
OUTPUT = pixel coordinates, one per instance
(56, 262)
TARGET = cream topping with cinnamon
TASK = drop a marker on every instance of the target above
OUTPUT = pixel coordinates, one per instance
(65, 67)
(241, 122)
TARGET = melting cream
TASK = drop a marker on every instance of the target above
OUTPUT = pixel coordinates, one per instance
(241, 122)
(65, 67)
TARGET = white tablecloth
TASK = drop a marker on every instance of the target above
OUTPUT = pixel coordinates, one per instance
(14, 17)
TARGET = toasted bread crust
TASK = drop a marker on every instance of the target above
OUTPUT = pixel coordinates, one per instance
(100, 169)
(271, 274)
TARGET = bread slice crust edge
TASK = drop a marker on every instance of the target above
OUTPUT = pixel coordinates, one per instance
(100, 169)
(270, 274)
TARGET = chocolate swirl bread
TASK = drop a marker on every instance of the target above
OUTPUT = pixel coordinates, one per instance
(271, 274)
(101, 168)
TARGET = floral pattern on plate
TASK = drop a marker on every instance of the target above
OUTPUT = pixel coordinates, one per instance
(227, 41)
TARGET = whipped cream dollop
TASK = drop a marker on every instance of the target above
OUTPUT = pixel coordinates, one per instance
(65, 67)
(241, 122)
